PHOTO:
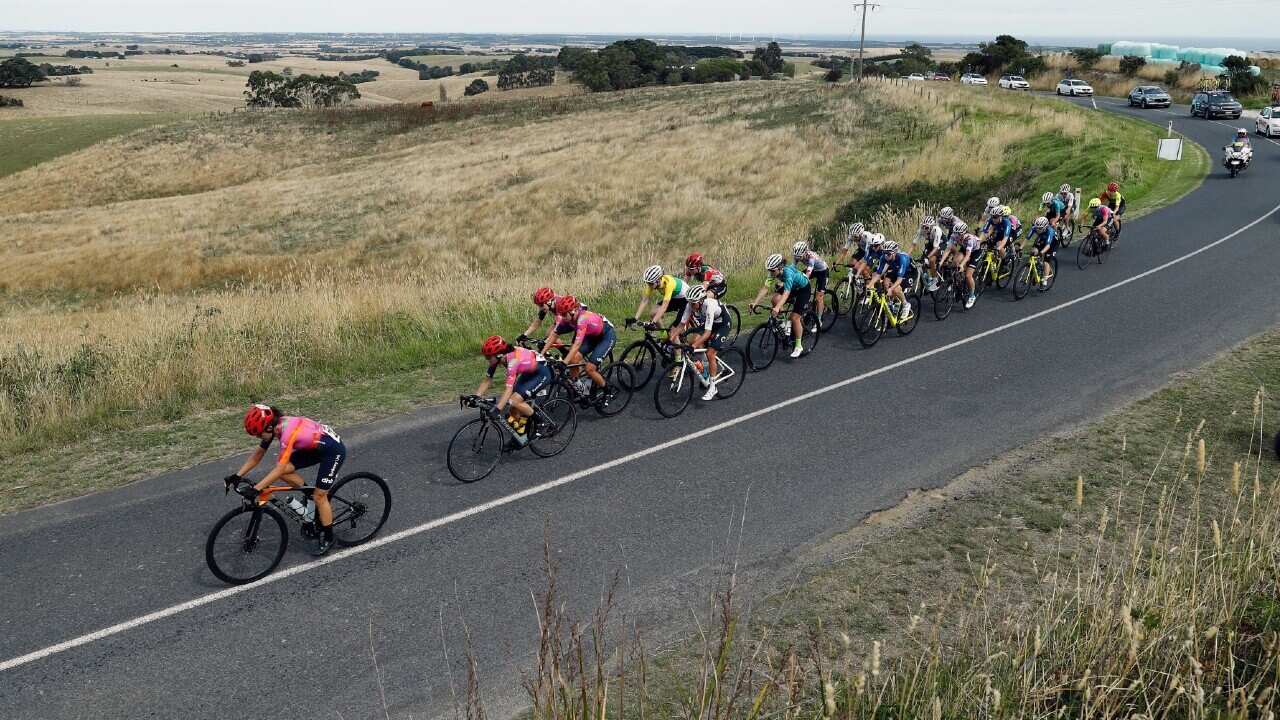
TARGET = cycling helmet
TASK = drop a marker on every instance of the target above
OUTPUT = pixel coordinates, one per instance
(800, 248)
(1041, 223)
(890, 247)
(993, 203)
(260, 419)
(1046, 198)
(653, 274)
(566, 305)
(998, 211)
(857, 229)
(1006, 210)
(1242, 133)
(696, 294)
(494, 345)
(694, 260)
(927, 221)
(960, 228)
(1113, 187)
(1065, 189)
(946, 213)
(876, 241)
(542, 296)
(773, 262)
(1095, 203)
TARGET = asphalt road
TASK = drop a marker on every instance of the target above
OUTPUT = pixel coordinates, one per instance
(963, 391)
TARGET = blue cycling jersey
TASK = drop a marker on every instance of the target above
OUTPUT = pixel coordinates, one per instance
(1002, 228)
(896, 266)
(792, 279)
(1048, 237)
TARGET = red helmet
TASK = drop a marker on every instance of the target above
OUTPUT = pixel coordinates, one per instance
(260, 419)
(694, 260)
(543, 296)
(566, 305)
(495, 345)
(1113, 187)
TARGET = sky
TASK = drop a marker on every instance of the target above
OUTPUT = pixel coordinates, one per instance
(894, 19)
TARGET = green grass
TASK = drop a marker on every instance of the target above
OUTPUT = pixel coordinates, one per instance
(26, 142)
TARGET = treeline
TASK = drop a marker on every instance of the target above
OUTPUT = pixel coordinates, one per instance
(348, 58)
(16, 72)
(60, 70)
(363, 76)
(523, 71)
(637, 63)
(266, 89)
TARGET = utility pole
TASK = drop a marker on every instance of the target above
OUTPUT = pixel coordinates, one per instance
(864, 7)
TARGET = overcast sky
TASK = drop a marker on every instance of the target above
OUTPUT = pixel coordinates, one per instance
(1127, 19)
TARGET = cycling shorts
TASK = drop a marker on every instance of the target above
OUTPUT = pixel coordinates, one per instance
(800, 300)
(719, 334)
(677, 306)
(820, 279)
(1046, 248)
(594, 349)
(530, 384)
(327, 457)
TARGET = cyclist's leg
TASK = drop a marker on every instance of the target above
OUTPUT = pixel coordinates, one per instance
(599, 349)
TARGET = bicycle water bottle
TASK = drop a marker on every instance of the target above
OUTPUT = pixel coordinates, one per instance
(310, 513)
(297, 506)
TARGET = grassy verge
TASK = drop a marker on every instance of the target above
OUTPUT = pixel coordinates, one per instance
(27, 142)
(70, 392)
(1126, 570)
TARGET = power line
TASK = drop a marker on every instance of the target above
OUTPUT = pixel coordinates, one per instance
(863, 7)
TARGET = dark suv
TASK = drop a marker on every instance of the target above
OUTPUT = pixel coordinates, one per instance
(1214, 104)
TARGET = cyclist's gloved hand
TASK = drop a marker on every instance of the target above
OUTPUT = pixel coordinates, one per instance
(630, 322)
(247, 491)
(496, 412)
(522, 338)
(230, 481)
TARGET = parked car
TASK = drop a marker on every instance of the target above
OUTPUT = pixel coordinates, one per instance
(1268, 122)
(916, 76)
(1216, 103)
(1074, 87)
(940, 77)
(1149, 96)
(972, 79)
(1014, 82)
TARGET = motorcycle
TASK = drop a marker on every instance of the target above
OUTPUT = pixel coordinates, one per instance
(1235, 160)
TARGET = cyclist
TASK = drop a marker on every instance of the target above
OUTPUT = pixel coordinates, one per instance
(947, 221)
(710, 323)
(1068, 199)
(696, 270)
(791, 285)
(593, 338)
(993, 204)
(527, 375)
(1044, 243)
(813, 266)
(1114, 200)
(929, 237)
(303, 443)
(545, 300)
(1055, 209)
(964, 251)
(672, 289)
(895, 271)
(1102, 218)
(854, 252)
(998, 231)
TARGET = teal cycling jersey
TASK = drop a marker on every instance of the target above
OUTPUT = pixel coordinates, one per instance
(792, 279)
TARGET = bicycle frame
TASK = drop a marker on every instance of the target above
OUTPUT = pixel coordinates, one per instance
(877, 297)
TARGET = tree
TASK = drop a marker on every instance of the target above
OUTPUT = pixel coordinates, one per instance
(1131, 64)
(918, 51)
(1241, 79)
(770, 57)
(1087, 57)
(717, 70)
(476, 87)
(19, 72)
(267, 89)
(1006, 52)
(834, 74)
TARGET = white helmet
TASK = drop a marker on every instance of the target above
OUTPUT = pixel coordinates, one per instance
(653, 274)
(773, 262)
(890, 247)
(1065, 189)
(946, 213)
(993, 202)
(1041, 223)
(927, 221)
(800, 248)
(998, 211)
(876, 241)
(960, 228)
(857, 229)
(696, 294)
(1046, 198)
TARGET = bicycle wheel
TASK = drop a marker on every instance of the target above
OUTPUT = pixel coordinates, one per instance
(905, 327)
(844, 297)
(1047, 285)
(871, 325)
(361, 503)
(733, 371)
(811, 327)
(618, 381)
(1004, 274)
(981, 276)
(246, 544)
(1084, 251)
(1022, 281)
(475, 450)
(674, 390)
(828, 317)
(552, 427)
(735, 324)
(943, 298)
(639, 355)
(762, 348)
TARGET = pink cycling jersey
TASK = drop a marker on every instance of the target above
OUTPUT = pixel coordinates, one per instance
(520, 362)
(299, 433)
(589, 325)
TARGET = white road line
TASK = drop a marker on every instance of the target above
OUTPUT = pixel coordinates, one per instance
(588, 472)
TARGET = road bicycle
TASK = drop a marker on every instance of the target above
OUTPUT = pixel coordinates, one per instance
(249, 541)
(646, 354)
(478, 446)
(582, 392)
(674, 390)
(763, 343)
(995, 272)
(1030, 274)
(1066, 233)
(556, 351)
(847, 291)
(830, 307)
(876, 313)
(1094, 248)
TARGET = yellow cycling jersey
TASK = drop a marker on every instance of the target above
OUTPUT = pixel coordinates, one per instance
(669, 286)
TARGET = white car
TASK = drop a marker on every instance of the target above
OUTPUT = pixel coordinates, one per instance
(1268, 122)
(1014, 82)
(972, 79)
(1074, 87)
(916, 76)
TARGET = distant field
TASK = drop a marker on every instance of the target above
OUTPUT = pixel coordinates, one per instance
(28, 142)
(456, 60)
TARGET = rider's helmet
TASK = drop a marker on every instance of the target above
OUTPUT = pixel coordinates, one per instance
(1113, 187)
(696, 294)
(927, 222)
(260, 419)
(1046, 198)
(998, 211)
(856, 229)
(1095, 203)
(799, 249)
(566, 305)
(652, 274)
(1006, 210)
(960, 228)
(946, 213)
(694, 261)
(1041, 223)
(494, 345)
(542, 296)
(876, 242)
(890, 247)
(1242, 134)
(773, 262)
(1065, 189)
(993, 203)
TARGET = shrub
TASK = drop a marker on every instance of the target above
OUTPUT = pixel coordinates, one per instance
(9, 101)
(834, 74)
(476, 87)
(1131, 64)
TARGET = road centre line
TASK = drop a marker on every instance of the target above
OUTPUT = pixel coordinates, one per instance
(594, 470)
